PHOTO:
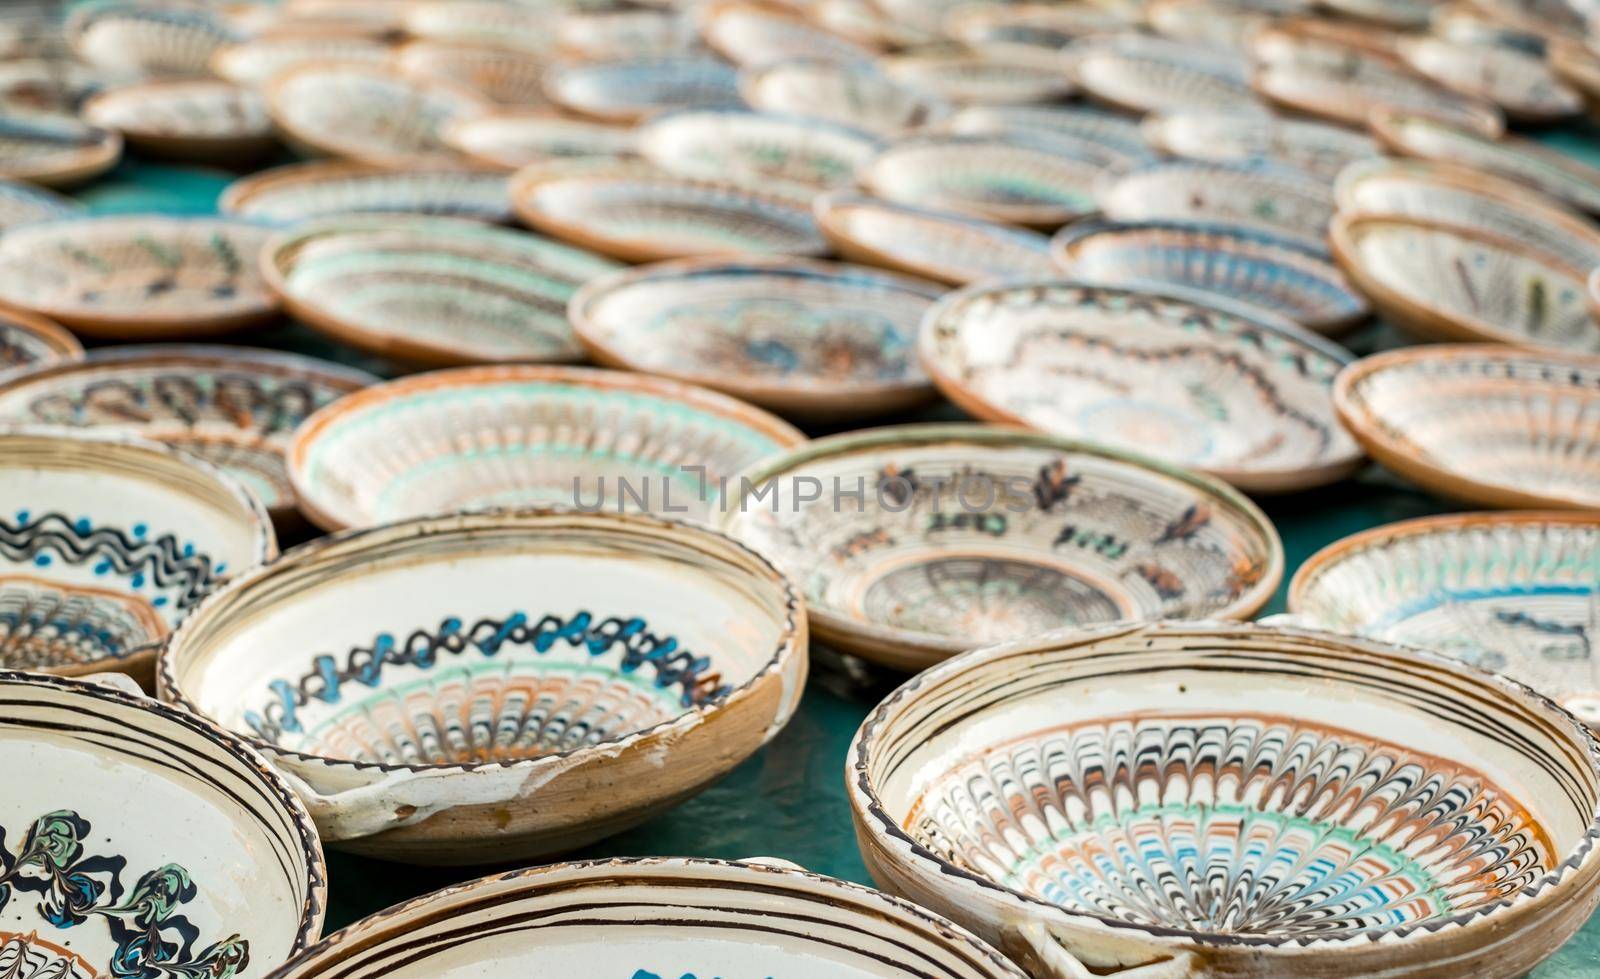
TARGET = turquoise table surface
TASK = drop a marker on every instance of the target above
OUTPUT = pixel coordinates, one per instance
(789, 800)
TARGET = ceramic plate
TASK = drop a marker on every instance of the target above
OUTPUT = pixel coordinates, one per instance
(232, 406)
(1030, 27)
(138, 276)
(966, 534)
(1242, 135)
(1147, 74)
(978, 78)
(1523, 85)
(29, 342)
(1277, 274)
(1039, 181)
(432, 291)
(189, 119)
(855, 95)
(504, 76)
(757, 149)
(333, 188)
(510, 24)
(55, 154)
(1266, 196)
(562, 436)
(938, 245)
(1192, 380)
(145, 842)
(657, 917)
(1359, 808)
(108, 542)
(1442, 282)
(252, 63)
(23, 203)
(1487, 424)
(607, 33)
(627, 91)
(134, 39)
(755, 32)
(866, 23)
(1513, 593)
(1111, 137)
(511, 140)
(580, 673)
(1223, 26)
(807, 338)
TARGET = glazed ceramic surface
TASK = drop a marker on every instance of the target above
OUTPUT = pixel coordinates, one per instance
(191, 119)
(504, 76)
(145, 39)
(493, 436)
(606, 33)
(811, 338)
(511, 140)
(1515, 593)
(1523, 85)
(1220, 25)
(252, 63)
(1028, 26)
(146, 843)
(1267, 196)
(48, 87)
(653, 918)
(432, 290)
(1035, 180)
(580, 673)
(1148, 74)
(964, 535)
(754, 32)
(849, 94)
(1487, 424)
(937, 245)
(131, 276)
(304, 191)
(757, 149)
(23, 203)
(1112, 138)
(1207, 800)
(977, 78)
(29, 342)
(232, 406)
(1274, 273)
(55, 153)
(1243, 135)
(1443, 282)
(626, 91)
(1193, 380)
(108, 542)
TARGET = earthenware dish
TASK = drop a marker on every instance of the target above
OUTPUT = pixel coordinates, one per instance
(756, 149)
(131, 277)
(864, 22)
(656, 917)
(1030, 27)
(134, 39)
(1033, 180)
(1191, 379)
(608, 33)
(1242, 135)
(48, 87)
(583, 672)
(979, 78)
(1549, 20)
(627, 91)
(964, 535)
(146, 841)
(29, 342)
(107, 542)
(1143, 74)
(1208, 23)
(1491, 425)
(252, 63)
(759, 32)
(1522, 85)
(55, 154)
(937, 245)
(1110, 137)
(503, 76)
(516, 26)
(513, 435)
(510, 140)
(1372, 809)
(1267, 196)
(857, 95)
(189, 120)
(304, 191)
(24, 203)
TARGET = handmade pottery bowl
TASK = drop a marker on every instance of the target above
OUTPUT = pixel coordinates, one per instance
(1206, 23)
(513, 25)
(1037, 180)
(1444, 282)
(864, 22)
(1361, 809)
(1265, 196)
(1112, 138)
(938, 245)
(657, 917)
(234, 407)
(964, 535)
(1275, 273)
(1491, 425)
(251, 64)
(138, 276)
(853, 94)
(1397, 14)
(1549, 20)
(1514, 593)
(1193, 380)
(627, 91)
(135, 39)
(513, 435)
(48, 87)
(55, 153)
(761, 32)
(189, 119)
(214, 870)
(23, 203)
(504, 76)
(761, 150)
(609, 33)
(1031, 27)
(107, 542)
(1522, 85)
(468, 725)
(1147, 74)
(29, 342)
(367, 113)
(980, 78)
(511, 140)
(330, 188)
(1242, 135)
(811, 339)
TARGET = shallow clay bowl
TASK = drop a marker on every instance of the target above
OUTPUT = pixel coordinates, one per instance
(852, 94)
(1256, 194)
(55, 153)
(816, 340)
(1112, 137)
(252, 63)
(603, 32)
(1487, 424)
(1191, 379)
(1443, 282)
(760, 32)
(511, 435)
(628, 90)
(1514, 593)
(215, 872)
(509, 140)
(966, 535)
(24, 203)
(1142, 74)
(581, 673)
(1221, 135)
(135, 39)
(1275, 273)
(329, 188)
(107, 542)
(1361, 809)
(1522, 84)
(29, 342)
(938, 245)
(757, 149)
(504, 76)
(234, 407)
(1036, 181)
(196, 120)
(134, 277)
(432, 291)
(984, 78)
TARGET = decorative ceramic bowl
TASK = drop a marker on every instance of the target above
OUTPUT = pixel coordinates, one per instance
(656, 917)
(333, 188)
(805, 338)
(189, 119)
(1542, 17)
(511, 140)
(1112, 138)
(47, 88)
(1522, 85)
(761, 32)
(510, 24)
(1206, 23)
(146, 842)
(1242, 135)
(965, 535)
(761, 150)
(1148, 74)
(1578, 65)
(1265, 196)
(504, 76)
(1030, 27)
(23, 203)
(1198, 800)
(138, 276)
(1445, 282)
(252, 63)
(1514, 593)
(580, 673)
(938, 245)
(629, 90)
(1040, 181)
(134, 39)
(1491, 425)
(55, 154)
(979, 78)
(855, 95)
(1277, 274)
(866, 23)
(432, 291)
(29, 342)
(1191, 379)
(608, 33)
(106, 543)
(515, 435)
(1397, 14)
(367, 113)
(232, 406)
